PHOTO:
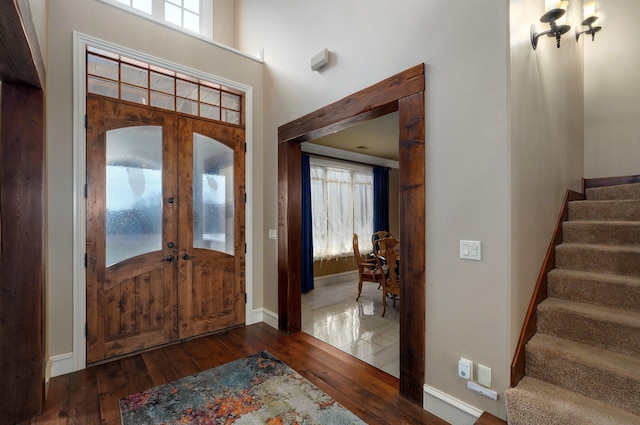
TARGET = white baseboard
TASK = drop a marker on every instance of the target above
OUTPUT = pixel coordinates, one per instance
(449, 408)
(270, 318)
(60, 364)
(267, 316)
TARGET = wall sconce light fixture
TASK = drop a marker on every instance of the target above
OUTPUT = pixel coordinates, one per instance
(551, 17)
(590, 17)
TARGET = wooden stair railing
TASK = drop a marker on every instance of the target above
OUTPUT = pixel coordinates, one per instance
(540, 291)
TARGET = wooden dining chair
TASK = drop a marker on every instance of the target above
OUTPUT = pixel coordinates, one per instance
(376, 239)
(391, 286)
(368, 270)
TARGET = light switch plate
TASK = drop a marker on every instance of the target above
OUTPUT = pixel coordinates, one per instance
(484, 375)
(273, 233)
(470, 250)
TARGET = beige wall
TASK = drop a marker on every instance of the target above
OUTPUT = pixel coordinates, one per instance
(39, 18)
(111, 24)
(224, 22)
(329, 267)
(612, 90)
(546, 109)
(466, 56)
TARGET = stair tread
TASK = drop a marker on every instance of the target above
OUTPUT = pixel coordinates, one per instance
(613, 361)
(594, 372)
(605, 210)
(611, 328)
(613, 259)
(604, 289)
(549, 404)
(606, 201)
(630, 318)
(599, 247)
(606, 277)
(628, 191)
(602, 222)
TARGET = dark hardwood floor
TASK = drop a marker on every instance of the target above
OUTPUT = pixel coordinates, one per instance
(91, 396)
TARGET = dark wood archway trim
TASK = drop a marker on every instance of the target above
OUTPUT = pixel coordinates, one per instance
(404, 93)
(21, 62)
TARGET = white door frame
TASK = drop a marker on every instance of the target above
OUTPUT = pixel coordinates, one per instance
(80, 44)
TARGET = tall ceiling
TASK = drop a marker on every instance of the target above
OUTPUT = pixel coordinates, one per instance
(378, 137)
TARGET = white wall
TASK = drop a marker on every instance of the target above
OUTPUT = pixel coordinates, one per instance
(108, 23)
(546, 106)
(612, 90)
(467, 131)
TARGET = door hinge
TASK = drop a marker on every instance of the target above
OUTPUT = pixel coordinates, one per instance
(85, 190)
(245, 248)
(245, 148)
(245, 297)
(245, 197)
(86, 330)
(85, 260)
(86, 121)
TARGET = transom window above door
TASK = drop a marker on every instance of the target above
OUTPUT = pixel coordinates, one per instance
(119, 77)
(190, 15)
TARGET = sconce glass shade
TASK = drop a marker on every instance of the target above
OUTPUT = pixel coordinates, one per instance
(590, 17)
(589, 9)
(555, 4)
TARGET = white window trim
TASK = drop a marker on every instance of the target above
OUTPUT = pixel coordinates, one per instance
(206, 25)
(80, 44)
(207, 39)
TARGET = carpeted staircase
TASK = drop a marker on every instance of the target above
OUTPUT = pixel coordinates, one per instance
(583, 364)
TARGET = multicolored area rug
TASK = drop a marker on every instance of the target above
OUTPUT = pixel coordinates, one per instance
(259, 389)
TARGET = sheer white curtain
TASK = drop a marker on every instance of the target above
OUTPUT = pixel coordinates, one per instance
(341, 204)
(363, 209)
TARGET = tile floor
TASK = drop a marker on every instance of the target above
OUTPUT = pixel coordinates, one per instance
(331, 313)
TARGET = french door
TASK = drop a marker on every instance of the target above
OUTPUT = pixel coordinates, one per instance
(165, 227)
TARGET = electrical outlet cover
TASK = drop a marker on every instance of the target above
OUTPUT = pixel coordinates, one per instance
(465, 368)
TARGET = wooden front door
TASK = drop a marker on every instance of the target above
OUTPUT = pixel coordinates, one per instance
(165, 227)
(211, 189)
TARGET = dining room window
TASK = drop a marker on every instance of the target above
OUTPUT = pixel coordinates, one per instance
(341, 205)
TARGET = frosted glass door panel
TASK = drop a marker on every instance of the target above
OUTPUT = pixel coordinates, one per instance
(213, 203)
(134, 192)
